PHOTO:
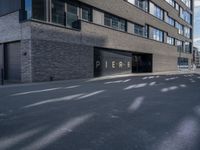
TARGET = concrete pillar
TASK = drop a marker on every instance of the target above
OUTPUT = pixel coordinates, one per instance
(98, 17)
(130, 27)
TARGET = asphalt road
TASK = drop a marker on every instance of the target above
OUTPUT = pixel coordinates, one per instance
(131, 113)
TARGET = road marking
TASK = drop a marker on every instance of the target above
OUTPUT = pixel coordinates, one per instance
(66, 98)
(183, 137)
(58, 133)
(135, 86)
(152, 83)
(169, 89)
(91, 94)
(8, 142)
(71, 87)
(118, 81)
(37, 91)
(136, 104)
(183, 86)
(45, 90)
(173, 78)
(2, 115)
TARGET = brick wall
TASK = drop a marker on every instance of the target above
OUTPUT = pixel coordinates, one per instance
(60, 60)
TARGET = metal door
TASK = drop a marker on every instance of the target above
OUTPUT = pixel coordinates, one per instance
(12, 61)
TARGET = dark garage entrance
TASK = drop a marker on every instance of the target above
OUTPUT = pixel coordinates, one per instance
(11, 61)
(142, 63)
(110, 62)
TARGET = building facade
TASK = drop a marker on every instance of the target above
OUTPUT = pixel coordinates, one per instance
(196, 57)
(42, 40)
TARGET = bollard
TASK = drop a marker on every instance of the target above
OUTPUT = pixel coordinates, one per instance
(2, 77)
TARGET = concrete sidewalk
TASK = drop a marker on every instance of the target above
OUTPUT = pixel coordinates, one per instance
(104, 78)
(147, 74)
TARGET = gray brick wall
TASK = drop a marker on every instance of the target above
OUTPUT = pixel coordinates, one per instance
(60, 60)
(26, 72)
(10, 29)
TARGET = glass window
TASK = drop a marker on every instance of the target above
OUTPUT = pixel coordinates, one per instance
(171, 2)
(187, 32)
(142, 4)
(180, 28)
(187, 3)
(156, 34)
(183, 62)
(72, 16)
(58, 12)
(140, 30)
(156, 11)
(86, 13)
(169, 20)
(170, 40)
(28, 9)
(177, 7)
(179, 45)
(185, 15)
(39, 10)
(115, 22)
(187, 47)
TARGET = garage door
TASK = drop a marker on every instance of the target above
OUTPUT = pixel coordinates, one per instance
(12, 62)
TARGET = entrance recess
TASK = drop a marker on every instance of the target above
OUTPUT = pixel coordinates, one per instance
(12, 61)
(108, 62)
(142, 63)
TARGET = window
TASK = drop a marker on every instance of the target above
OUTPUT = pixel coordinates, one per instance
(58, 12)
(142, 4)
(187, 47)
(177, 6)
(115, 22)
(180, 28)
(28, 9)
(187, 3)
(86, 13)
(156, 34)
(39, 10)
(140, 30)
(171, 2)
(156, 11)
(169, 20)
(182, 61)
(185, 15)
(187, 32)
(170, 40)
(72, 16)
(179, 45)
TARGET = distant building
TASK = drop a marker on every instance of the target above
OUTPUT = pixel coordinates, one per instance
(196, 56)
(43, 40)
